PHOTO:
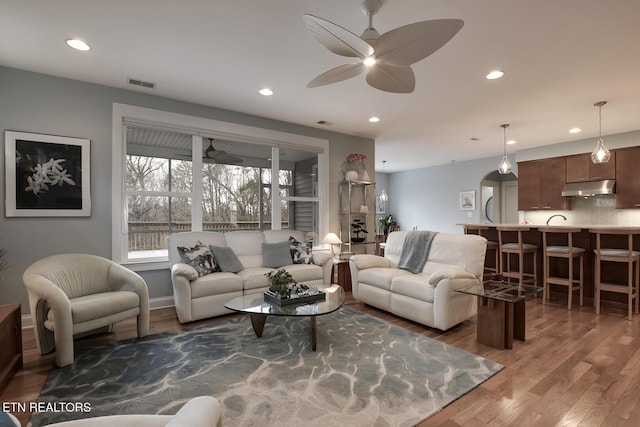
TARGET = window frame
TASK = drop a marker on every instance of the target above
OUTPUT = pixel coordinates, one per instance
(123, 115)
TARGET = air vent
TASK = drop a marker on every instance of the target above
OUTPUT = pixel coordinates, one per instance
(324, 122)
(141, 83)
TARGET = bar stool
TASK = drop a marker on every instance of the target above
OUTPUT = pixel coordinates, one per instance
(568, 252)
(492, 246)
(508, 247)
(626, 255)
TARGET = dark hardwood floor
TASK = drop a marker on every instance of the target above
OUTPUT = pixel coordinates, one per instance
(574, 369)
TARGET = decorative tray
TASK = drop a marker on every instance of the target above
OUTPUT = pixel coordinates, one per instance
(294, 298)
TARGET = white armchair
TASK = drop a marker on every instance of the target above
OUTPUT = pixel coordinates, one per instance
(202, 411)
(72, 294)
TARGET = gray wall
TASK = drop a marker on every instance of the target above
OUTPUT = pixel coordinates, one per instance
(39, 103)
(428, 197)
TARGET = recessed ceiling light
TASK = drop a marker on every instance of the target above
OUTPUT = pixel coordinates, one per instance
(78, 44)
(575, 130)
(374, 119)
(266, 91)
(511, 142)
(496, 74)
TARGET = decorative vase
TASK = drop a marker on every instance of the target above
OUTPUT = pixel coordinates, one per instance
(365, 176)
(351, 175)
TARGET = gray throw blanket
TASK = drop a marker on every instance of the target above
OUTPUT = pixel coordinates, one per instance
(415, 250)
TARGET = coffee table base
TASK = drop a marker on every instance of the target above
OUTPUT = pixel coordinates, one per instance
(258, 321)
(499, 322)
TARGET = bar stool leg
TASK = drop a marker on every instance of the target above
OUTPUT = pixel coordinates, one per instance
(637, 286)
(630, 290)
(597, 284)
(570, 259)
(581, 280)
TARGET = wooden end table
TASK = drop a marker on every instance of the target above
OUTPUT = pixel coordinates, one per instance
(501, 311)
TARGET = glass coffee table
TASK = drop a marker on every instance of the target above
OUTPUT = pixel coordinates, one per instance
(501, 311)
(259, 309)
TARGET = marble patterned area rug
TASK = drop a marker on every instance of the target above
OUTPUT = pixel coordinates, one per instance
(366, 372)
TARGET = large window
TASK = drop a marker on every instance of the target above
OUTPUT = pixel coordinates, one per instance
(176, 179)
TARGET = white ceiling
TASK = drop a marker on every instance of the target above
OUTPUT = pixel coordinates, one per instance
(559, 56)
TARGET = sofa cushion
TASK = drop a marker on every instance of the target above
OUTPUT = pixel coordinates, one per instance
(215, 284)
(247, 245)
(199, 257)
(276, 255)
(381, 277)
(96, 306)
(305, 272)
(226, 259)
(300, 251)
(254, 278)
(413, 286)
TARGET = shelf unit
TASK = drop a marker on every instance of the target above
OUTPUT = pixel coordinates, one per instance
(357, 203)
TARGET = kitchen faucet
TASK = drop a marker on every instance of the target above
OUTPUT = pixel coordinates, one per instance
(553, 216)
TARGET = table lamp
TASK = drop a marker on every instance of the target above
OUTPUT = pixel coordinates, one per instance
(332, 239)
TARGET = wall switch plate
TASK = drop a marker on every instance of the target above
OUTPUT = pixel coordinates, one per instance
(469, 214)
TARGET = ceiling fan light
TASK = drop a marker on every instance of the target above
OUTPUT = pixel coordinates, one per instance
(369, 61)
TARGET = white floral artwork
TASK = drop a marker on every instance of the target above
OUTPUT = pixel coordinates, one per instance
(468, 200)
(46, 175)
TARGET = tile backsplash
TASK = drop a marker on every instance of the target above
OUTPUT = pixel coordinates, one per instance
(598, 210)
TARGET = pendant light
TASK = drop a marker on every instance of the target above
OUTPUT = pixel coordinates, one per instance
(383, 194)
(505, 166)
(600, 154)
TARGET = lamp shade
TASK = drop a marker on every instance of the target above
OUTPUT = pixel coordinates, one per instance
(332, 239)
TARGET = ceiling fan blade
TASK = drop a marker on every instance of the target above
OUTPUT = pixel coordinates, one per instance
(337, 74)
(337, 39)
(411, 43)
(390, 78)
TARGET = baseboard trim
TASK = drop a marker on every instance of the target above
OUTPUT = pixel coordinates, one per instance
(154, 304)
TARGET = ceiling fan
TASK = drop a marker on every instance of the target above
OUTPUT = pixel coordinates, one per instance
(221, 157)
(387, 57)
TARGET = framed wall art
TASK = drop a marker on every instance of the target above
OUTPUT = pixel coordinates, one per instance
(46, 175)
(467, 200)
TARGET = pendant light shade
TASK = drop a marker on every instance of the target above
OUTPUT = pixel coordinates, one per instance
(600, 154)
(383, 194)
(505, 166)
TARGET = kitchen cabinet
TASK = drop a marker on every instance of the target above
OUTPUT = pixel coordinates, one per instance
(628, 178)
(581, 168)
(540, 184)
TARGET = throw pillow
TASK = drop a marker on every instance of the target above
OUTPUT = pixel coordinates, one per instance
(276, 255)
(200, 258)
(300, 252)
(227, 260)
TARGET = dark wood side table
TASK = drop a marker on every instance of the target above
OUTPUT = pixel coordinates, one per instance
(501, 311)
(10, 342)
(344, 273)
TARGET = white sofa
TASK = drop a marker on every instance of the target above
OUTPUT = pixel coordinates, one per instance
(454, 261)
(202, 297)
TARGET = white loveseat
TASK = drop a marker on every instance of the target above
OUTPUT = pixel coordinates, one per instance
(454, 261)
(203, 297)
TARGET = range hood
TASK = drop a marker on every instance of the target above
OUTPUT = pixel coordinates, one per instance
(589, 188)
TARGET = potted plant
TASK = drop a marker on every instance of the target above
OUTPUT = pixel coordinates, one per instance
(386, 222)
(281, 283)
(357, 227)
